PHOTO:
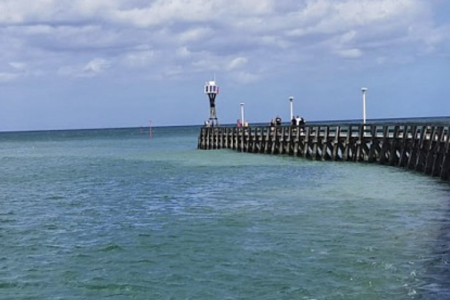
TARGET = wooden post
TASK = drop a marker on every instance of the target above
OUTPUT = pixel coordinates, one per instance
(326, 144)
(439, 153)
(424, 148)
(373, 144)
(306, 142)
(384, 145)
(347, 146)
(405, 146)
(393, 158)
(359, 143)
(336, 144)
(445, 166)
(419, 164)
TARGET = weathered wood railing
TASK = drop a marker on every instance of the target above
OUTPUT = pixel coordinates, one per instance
(420, 147)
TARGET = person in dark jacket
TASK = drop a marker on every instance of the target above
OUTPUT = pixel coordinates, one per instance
(278, 121)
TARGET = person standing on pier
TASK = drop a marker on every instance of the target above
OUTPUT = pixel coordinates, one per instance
(278, 121)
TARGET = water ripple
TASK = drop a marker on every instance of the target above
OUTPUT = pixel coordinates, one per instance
(123, 218)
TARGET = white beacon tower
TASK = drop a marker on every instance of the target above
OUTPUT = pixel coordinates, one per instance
(212, 90)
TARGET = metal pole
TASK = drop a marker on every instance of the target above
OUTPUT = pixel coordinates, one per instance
(150, 130)
(242, 114)
(364, 103)
(291, 100)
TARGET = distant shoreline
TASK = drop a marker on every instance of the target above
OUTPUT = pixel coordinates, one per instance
(345, 121)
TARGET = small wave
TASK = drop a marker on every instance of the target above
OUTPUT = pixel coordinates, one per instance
(7, 221)
(54, 197)
(111, 247)
(115, 288)
(52, 227)
(7, 285)
(6, 217)
(83, 255)
(8, 213)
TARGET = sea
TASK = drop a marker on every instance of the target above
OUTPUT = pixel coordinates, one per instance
(133, 214)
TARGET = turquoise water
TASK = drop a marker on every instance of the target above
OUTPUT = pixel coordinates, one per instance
(113, 214)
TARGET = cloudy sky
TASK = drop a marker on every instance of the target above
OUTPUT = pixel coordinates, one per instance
(121, 63)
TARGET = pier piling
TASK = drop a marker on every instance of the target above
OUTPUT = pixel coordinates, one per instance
(420, 147)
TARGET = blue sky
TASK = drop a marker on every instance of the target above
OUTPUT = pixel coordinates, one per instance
(67, 64)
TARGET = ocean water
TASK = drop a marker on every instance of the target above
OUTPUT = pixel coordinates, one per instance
(114, 214)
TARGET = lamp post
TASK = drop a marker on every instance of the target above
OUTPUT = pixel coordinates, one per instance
(291, 100)
(242, 114)
(364, 103)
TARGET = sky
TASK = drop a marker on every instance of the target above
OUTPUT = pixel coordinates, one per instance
(71, 64)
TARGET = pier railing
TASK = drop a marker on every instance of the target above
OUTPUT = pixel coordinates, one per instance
(420, 147)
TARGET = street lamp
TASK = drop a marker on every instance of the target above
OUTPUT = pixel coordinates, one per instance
(242, 114)
(364, 90)
(291, 100)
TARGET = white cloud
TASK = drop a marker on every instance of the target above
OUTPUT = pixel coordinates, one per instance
(6, 77)
(95, 67)
(68, 71)
(173, 72)
(236, 63)
(431, 40)
(18, 65)
(349, 53)
(195, 34)
(211, 35)
(244, 77)
(140, 58)
(183, 52)
(344, 15)
(19, 70)
(161, 12)
(348, 37)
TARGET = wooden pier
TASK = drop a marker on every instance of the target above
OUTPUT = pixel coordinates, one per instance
(420, 147)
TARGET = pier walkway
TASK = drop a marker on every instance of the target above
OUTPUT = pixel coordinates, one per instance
(421, 147)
